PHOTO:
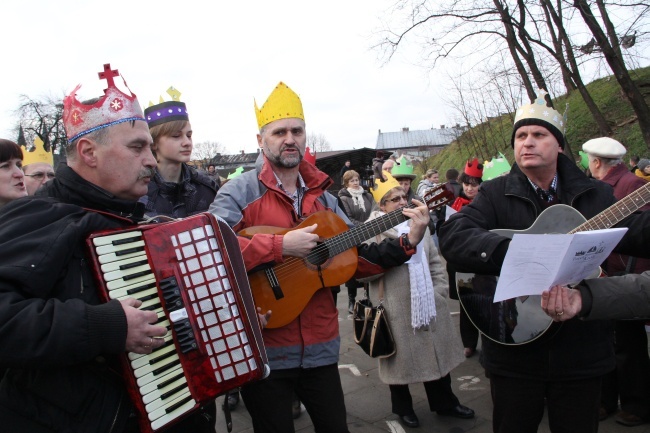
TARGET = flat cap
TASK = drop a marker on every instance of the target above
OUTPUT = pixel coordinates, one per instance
(604, 147)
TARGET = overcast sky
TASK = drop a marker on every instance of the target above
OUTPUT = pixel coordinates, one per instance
(220, 56)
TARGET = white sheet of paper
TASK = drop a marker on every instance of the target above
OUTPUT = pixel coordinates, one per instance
(449, 211)
(537, 262)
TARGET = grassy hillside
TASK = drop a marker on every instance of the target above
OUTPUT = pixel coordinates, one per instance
(495, 134)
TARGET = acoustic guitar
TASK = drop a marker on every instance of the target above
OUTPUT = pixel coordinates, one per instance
(286, 288)
(521, 320)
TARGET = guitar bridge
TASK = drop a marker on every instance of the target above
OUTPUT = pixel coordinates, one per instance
(274, 283)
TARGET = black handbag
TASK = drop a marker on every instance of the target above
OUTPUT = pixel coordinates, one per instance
(371, 329)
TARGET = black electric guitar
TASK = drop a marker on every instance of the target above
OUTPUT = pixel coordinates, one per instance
(286, 288)
(521, 320)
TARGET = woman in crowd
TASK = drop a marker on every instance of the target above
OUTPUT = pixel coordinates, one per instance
(415, 298)
(177, 190)
(357, 203)
(12, 178)
(470, 179)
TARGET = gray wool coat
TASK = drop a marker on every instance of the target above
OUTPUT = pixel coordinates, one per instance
(424, 354)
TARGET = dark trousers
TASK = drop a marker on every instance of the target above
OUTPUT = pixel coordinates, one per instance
(439, 395)
(468, 332)
(631, 379)
(519, 404)
(269, 401)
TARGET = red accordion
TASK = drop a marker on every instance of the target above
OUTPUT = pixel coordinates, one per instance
(191, 273)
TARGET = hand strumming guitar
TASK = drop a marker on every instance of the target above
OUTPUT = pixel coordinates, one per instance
(299, 242)
(419, 217)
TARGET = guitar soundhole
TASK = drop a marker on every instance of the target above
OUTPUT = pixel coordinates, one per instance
(318, 255)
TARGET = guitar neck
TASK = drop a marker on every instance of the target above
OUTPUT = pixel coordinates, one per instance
(618, 211)
(362, 232)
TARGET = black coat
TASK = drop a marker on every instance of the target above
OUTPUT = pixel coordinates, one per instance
(579, 349)
(195, 193)
(59, 342)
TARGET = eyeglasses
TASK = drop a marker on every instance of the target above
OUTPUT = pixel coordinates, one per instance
(39, 175)
(398, 199)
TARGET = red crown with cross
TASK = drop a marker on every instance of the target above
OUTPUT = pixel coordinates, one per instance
(114, 107)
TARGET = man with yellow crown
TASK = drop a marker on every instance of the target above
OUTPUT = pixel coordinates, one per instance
(60, 343)
(37, 166)
(561, 371)
(282, 191)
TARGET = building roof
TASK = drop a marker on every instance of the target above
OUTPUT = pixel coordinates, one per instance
(426, 137)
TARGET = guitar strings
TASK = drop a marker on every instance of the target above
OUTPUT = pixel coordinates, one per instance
(345, 240)
(352, 237)
(637, 199)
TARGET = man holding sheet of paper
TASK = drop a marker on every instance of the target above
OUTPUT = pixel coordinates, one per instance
(562, 369)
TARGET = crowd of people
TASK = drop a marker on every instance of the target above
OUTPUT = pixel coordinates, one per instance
(60, 363)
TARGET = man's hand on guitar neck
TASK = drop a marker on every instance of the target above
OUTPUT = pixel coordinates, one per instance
(299, 242)
(419, 217)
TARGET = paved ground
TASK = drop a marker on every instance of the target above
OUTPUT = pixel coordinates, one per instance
(368, 400)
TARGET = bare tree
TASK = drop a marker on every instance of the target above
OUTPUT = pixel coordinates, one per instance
(610, 46)
(42, 117)
(318, 143)
(205, 151)
(534, 34)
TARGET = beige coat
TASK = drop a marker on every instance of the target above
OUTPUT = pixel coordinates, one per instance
(421, 355)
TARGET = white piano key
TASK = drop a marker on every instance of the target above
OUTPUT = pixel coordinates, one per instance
(156, 378)
(123, 291)
(107, 249)
(112, 257)
(169, 417)
(113, 266)
(157, 354)
(122, 273)
(157, 393)
(105, 240)
(116, 284)
(151, 386)
(148, 369)
(160, 411)
(133, 355)
(161, 403)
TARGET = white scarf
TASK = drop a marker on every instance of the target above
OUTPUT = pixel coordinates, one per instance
(423, 303)
(357, 198)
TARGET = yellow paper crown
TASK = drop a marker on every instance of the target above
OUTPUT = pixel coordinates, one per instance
(282, 103)
(39, 154)
(382, 188)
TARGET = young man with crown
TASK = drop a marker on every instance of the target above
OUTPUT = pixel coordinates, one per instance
(177, 189)
(37, 166)
(281, 191)
(60, 343)
(560, 371)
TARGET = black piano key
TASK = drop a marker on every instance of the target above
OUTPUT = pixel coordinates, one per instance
(174, 378)
(179, 404)
(136, 275)
(141, 288)
(166, 367)
(173, 391)
(133, 265)
(129, 251)
(126, 240)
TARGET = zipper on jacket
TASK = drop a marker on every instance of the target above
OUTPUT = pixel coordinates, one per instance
(81, 274)
(117, 413)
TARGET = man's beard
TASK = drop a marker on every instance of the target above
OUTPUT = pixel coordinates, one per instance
(284, 161)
